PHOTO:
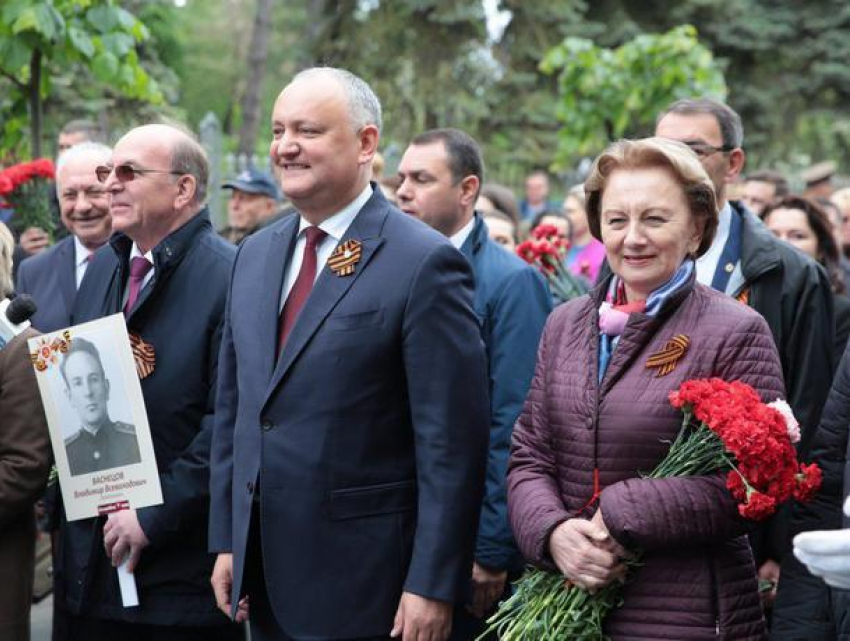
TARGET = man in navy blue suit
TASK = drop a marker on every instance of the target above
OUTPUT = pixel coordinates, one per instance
(53, 276)
(441, 174)
(352, 416)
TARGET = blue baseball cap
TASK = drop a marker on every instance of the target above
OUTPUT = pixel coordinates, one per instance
(252, 181)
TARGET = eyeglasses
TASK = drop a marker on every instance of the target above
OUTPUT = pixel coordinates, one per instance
(704, 150)
(126, 173)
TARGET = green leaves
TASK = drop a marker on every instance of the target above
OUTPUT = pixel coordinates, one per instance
(605, 94)
(96, 33)
(81, 41)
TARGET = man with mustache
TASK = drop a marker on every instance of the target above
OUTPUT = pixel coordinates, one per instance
(53, 276)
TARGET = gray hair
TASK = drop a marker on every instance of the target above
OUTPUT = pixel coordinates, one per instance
(100, 153)
(88, 128)
(731, 129)
(364, 108)
(189, 157)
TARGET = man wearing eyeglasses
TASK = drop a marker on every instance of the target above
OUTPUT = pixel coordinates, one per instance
(167, 271)
(787, 288)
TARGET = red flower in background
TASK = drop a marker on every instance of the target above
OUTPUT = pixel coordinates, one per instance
(26, 188)
(546, 250)
(546, 232)
(6, 185)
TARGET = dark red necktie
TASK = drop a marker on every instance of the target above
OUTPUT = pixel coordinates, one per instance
(139, 267)
(301, 288)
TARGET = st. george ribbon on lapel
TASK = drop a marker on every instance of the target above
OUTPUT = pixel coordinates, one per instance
(668, 357)
(345, 257)
(144, 356)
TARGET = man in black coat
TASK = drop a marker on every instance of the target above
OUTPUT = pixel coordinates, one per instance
(168, 271)
(826, 552)
(790, 290)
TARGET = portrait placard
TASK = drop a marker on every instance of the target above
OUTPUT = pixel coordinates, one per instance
(89, 385)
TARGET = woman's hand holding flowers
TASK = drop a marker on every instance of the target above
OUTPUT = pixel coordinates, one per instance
(586, 553)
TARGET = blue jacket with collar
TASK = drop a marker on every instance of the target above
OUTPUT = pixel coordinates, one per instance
(512, 303)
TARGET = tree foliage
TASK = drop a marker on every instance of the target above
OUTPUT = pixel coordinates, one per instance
(784, 62)
(605, 94)
(41, 40)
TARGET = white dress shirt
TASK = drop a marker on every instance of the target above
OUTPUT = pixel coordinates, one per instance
(81, 260)
(460, 237)
(335, 228)
(707, 263)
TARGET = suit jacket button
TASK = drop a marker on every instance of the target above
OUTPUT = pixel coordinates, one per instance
(250, 487)
(267, 425)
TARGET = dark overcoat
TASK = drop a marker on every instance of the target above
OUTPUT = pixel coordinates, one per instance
(180, 313)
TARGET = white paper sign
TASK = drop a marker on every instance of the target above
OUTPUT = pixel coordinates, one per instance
(96, 415)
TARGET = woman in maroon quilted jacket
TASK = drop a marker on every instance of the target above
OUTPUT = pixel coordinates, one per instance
(597, 416)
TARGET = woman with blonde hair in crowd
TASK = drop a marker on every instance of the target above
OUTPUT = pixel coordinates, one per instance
(24, 465)
(598, 413)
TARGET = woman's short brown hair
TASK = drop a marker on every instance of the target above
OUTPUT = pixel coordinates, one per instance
(674, 156)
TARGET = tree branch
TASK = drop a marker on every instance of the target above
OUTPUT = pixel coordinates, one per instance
(18, 83)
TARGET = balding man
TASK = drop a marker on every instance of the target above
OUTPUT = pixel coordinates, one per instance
(352, 416)
(167, 271)
(53, 277)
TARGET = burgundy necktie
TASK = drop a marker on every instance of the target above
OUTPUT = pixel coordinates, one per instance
(139, 267)
(303, 284)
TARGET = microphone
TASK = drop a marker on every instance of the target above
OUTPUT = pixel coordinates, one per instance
(14, 316)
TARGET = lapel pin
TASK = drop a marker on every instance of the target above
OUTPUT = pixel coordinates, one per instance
(143, 354)
(345, 257)
(666, 360)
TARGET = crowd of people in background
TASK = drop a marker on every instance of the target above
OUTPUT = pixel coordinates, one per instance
(368, 417)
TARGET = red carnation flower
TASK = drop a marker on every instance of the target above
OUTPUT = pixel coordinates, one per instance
(758, 506)
(808, 482)
(546, 232)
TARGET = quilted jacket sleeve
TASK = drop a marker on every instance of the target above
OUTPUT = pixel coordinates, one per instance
(535, 507)
(656, 513)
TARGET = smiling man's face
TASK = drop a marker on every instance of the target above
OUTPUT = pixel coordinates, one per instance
(321, 161)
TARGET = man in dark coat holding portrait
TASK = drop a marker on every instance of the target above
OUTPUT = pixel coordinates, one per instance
(167, 270)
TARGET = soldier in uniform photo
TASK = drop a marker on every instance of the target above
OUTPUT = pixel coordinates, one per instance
(100, 443)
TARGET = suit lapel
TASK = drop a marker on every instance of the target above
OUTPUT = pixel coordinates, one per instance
(68, 275)
(278, 255)
(330, 288)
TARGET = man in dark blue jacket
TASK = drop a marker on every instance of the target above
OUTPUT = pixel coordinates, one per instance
(790, 290)
(52, 277)
(441, 174)
(167, 270)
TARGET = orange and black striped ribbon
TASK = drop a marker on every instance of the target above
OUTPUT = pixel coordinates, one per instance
(667, 359)
(345, 257)
(144, 355)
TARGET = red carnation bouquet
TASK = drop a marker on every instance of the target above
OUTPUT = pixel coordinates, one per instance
(26, 188)
(546, 250)
(726, 428)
